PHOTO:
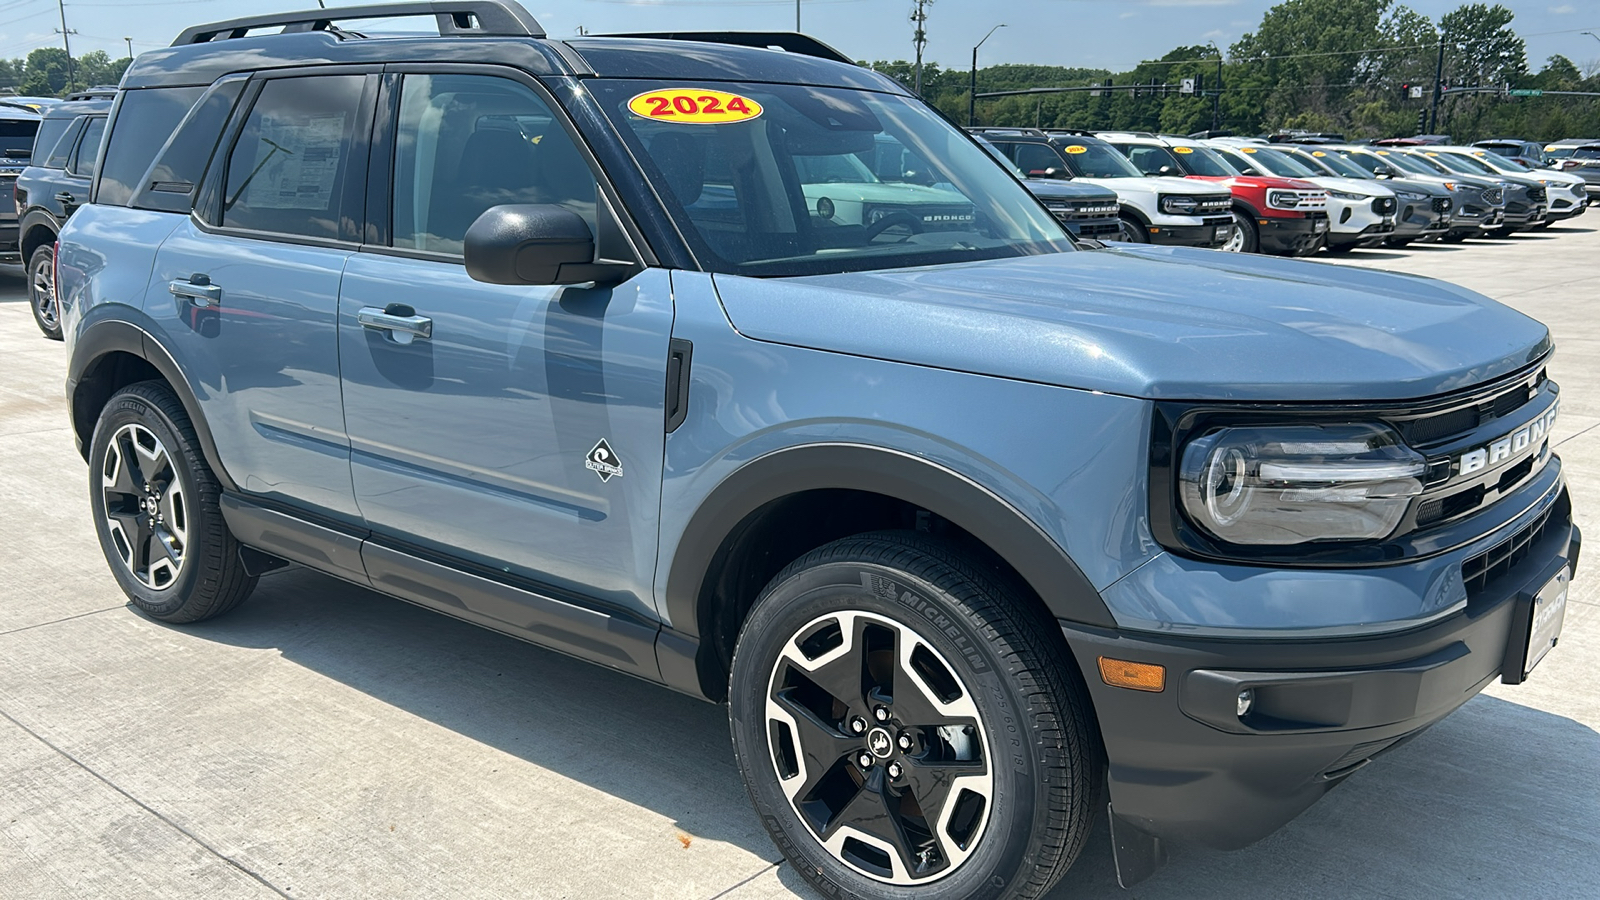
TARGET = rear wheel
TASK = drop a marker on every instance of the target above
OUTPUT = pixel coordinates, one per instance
(1245, 238)
(42, 291)
(155, 506)
(906, 728)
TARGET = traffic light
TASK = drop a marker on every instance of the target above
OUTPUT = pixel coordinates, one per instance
(1405, 91)
(1422, 121)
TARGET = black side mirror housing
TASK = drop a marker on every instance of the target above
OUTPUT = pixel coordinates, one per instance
(535, 244)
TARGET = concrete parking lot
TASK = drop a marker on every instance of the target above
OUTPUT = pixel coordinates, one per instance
(325, 741)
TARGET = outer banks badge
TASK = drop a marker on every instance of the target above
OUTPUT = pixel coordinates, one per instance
(603, 461)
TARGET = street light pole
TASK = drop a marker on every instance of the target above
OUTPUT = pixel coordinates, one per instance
(1216, 97)
(130, 46)
(972, 82)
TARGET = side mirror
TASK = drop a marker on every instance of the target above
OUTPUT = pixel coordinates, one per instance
(1058, 174)
(535, 243)
(1164, 170)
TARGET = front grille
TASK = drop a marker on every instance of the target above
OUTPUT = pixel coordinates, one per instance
(1494, 196)
(1442, 204)
(1439, 428)
(1214, 203)
(1383, 205)
(1485, 568)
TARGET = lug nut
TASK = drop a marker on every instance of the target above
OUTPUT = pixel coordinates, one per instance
(864, 760)
(881, 714)
(905, 741)
(858, 725)
(894, 770)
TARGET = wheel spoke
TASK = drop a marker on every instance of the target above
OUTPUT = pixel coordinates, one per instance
(139, 487)
(819, 745)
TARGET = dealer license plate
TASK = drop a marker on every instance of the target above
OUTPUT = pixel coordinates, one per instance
(1319, 226)
(1544, 625)
(1222, 233)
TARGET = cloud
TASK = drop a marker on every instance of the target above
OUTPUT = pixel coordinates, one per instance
(1565, 9)
(1127, 15)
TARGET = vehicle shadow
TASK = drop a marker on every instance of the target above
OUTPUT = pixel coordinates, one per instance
(1498, 800)
(631, 739)
(13, 284)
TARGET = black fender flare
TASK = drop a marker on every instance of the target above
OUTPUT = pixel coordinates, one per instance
(1244, 206)
(1130, 211)
(1022, 544)
(34, 218)
(98, 340)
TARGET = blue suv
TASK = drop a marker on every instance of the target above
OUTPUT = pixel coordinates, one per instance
(602, 343)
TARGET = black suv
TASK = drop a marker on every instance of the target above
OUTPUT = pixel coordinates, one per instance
(52, 186)
(17, 129)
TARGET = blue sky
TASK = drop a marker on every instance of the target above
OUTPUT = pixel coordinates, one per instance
(1113, 34)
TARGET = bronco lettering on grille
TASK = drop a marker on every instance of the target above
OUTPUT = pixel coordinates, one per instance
(1501, 450)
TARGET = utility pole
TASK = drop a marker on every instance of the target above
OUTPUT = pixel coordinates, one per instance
(130, 46)
(972, 82)
(797, 16)
(1438, 88)
(919, 38)
(71, 75)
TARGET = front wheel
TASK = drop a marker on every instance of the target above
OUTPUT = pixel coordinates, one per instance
(42, 291)
(908, 728)
(1244, 238)
(1132, 232)
(155, 506)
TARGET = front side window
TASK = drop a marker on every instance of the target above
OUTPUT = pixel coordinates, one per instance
(287, 169)
(1150, 159)
(465, 143)
(1088, 159)
(775, 180)
(88, 150)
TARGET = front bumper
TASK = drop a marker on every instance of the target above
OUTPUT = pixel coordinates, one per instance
(1183, 764)
(1102, 226)
(1418, 219)
(1290, 235)
(10, 249)
(1523, 215)
(1213, 231)
(1369, 235)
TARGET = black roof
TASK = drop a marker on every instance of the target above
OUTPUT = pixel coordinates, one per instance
(498, 31)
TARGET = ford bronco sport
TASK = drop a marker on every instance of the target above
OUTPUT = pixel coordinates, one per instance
(970, 527)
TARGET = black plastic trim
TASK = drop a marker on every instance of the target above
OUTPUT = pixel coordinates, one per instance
(952, 496)
(680, 354)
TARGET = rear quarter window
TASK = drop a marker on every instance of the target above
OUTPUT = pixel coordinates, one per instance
(144, 120)
(49, 136)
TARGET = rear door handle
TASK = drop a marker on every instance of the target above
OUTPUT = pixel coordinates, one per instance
(65, 197)
(198, 289)
(401, 321)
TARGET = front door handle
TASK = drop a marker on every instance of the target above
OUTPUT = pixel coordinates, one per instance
(65, 197)
(401, 321)
(198, 289)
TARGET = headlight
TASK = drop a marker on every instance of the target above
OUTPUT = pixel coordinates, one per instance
(1283, 199)
(1293, 484)
(1346, 195)
(1413, 197)
(1178, 206)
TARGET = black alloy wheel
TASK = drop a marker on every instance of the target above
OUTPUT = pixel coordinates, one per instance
(42, 291)
(871, 688)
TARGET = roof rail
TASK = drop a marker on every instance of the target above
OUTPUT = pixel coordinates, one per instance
(456, 18)
(787, 41)
(98, 92)
(1005, 129)
(1084, 132)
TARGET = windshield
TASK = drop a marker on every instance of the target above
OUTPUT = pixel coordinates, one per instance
(1093, 159)
(781, 180)
(1499, 163)
(1332, 161)
(1553, 152)
(1205, 161)
(16, 137)
(1465, 164)
(1586, 153)
(1429, 165)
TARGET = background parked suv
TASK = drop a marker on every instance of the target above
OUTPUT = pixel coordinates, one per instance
(1154, 210)
(1585, 163)
(1270, 214)
(1088, 210)
(52, 187)
(971, 527)
(1566, 194)
(1527, 200)
(1479, 202)
(18, 127)
(1360, 213)
(1423, 209)
(1527, 154)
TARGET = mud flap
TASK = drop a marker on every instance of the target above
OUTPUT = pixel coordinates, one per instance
(1138, 854)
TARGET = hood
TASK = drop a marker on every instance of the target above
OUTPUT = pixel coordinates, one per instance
(1156, 185)
(1155, 322)
(1352, 186)
(1418, 185)
(1258, 182)
(1056, 189)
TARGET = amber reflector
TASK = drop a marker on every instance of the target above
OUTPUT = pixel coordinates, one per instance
(1135, 676)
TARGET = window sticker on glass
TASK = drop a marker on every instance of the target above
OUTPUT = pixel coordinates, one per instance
(1182, 149)
(297, 162)
(694, 107)
(1077, 148)
(1247, 149)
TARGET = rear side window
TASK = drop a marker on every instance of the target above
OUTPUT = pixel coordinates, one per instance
(145, 119)
(286, 172)
(50, 136)
(169, 186)
(88, 151)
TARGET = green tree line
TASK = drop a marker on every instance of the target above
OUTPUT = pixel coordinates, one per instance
(44, 73)
(1320, 65)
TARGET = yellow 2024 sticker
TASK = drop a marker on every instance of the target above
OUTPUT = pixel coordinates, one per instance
(1247, 149)
(694, 107)
(1182, 149)
(1077, 148)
